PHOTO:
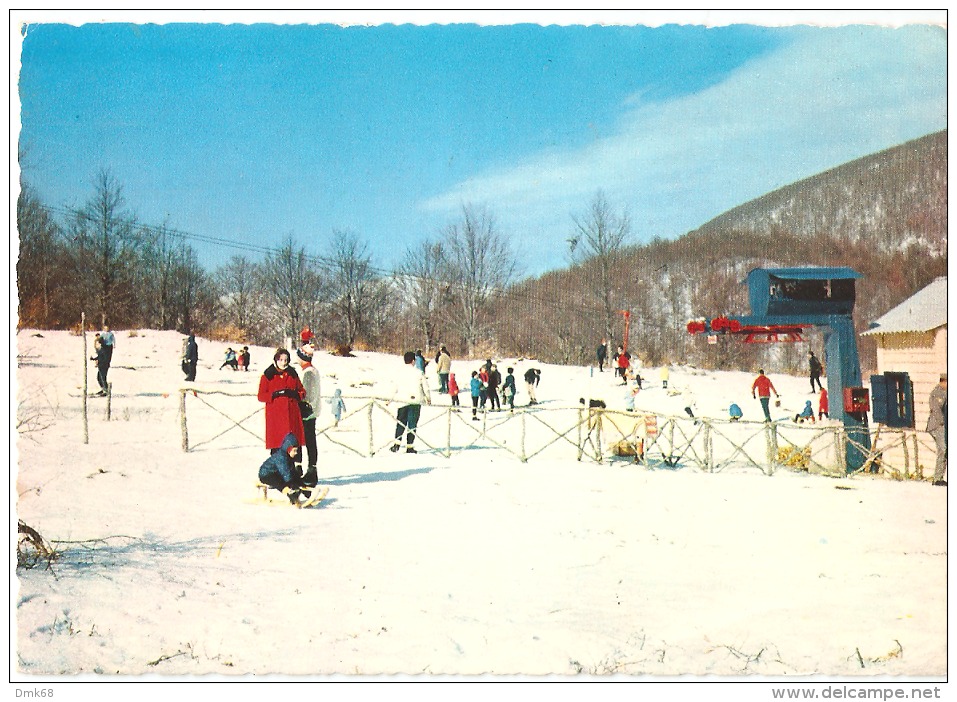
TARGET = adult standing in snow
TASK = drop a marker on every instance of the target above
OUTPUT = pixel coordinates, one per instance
(443, 366)
(412, 389)
(601, 354)
(762, 387)
(102, 365)
(664, 374)
(494, 381)
(245, 358)
(309, 409)
(814, 369)
(190, 358)
(281, 390)
(937, 427)
(105, 356)
(532, 376)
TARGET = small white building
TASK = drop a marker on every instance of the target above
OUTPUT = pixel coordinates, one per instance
(912, 338)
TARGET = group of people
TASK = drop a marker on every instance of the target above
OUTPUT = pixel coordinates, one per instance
(485, 382)
(292, 401)
(236, 361)
(292, 404)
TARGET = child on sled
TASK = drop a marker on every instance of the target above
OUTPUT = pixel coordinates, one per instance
(280, 471)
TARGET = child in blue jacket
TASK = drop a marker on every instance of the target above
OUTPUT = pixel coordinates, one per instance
(280, 472)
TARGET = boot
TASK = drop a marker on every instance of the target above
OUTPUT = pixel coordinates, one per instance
(311, 478)
(410, 450)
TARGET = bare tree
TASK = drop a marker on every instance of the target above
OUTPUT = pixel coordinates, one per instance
(40, 251)
(421, 280)
(106, 243)
(240, 294)
(600, 236)
(479, 264)
(292, 287)
(356, 286)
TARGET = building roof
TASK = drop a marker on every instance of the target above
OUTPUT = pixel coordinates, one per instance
(923, 311)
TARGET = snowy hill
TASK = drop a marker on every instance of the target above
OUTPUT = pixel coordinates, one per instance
(474, 563)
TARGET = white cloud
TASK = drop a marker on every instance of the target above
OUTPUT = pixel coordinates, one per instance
(828, 96)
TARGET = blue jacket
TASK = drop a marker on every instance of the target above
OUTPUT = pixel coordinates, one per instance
(475, 385)
(735, 411)
(280, 465)
(808, 411)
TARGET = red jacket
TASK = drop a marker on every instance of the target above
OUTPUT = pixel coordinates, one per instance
(282, 413)
(764, 386)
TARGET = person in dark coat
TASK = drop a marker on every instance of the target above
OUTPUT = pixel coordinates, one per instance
(245, 356)
(190, 358)
(494, 381)
(602, 354)
(281, 390)
(280, 472)
(102, 358)
(814, 368)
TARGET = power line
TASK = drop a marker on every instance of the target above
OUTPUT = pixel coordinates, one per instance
(325, 262)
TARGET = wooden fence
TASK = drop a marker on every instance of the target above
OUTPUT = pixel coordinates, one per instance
(656, 441)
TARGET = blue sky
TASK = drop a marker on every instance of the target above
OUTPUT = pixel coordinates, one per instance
(251, 132)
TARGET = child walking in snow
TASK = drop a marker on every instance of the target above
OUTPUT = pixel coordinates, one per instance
(337, 405)
(508, 389)
(475, 387)
(822, 405)
(453, 388)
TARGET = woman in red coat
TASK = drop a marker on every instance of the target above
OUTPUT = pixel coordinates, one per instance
(281, 390)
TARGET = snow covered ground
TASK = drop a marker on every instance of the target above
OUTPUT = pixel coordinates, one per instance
(423, 564)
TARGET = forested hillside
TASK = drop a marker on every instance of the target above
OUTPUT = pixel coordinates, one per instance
(883, 215)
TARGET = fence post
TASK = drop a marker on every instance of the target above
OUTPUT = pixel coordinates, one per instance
(708, 448)
(598, 416)
(918, 468)
(523, 457)
(448, 434)
(182, 420)
(109, 401)
(86, 390)
(840, 441)
(771, 434)
(581, 445)
(369, 418)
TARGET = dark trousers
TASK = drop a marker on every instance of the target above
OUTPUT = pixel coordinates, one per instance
(444, 383)
(408, 420)
(766, 406)
(494, 399)
(101, 370)
(309, 431)
(816, 377)
(475, 401)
